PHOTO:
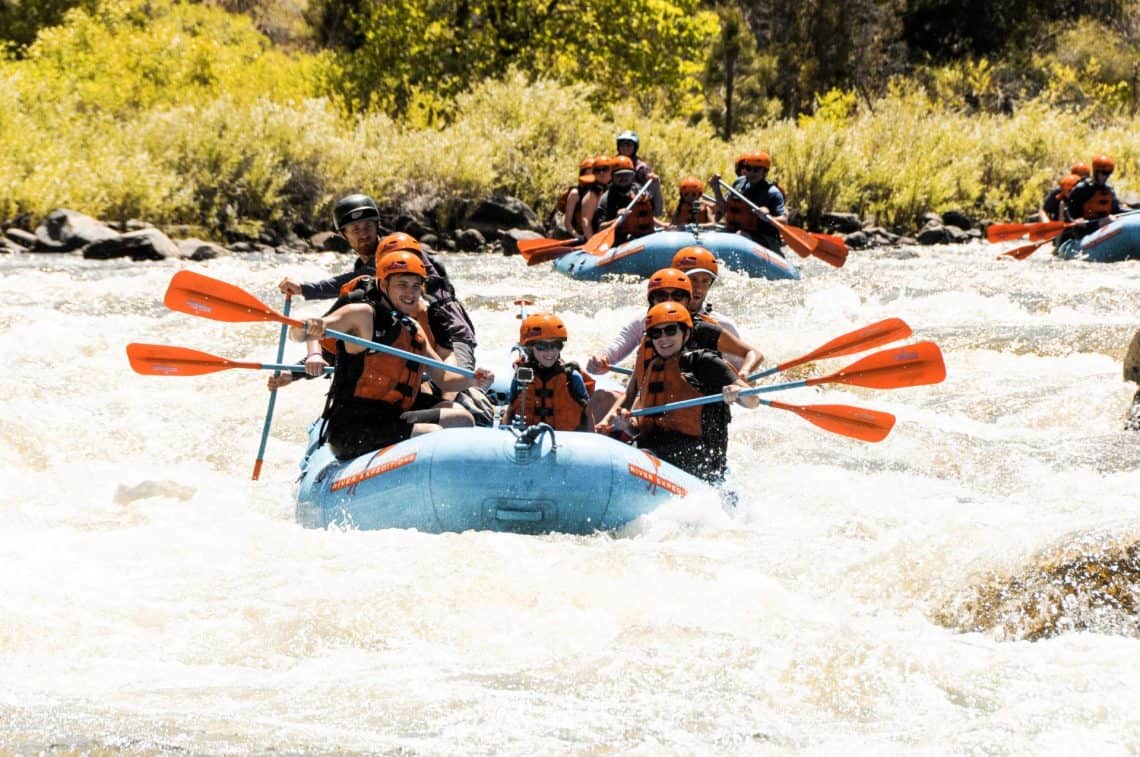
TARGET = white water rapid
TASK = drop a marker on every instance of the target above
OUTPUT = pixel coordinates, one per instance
(968, 586)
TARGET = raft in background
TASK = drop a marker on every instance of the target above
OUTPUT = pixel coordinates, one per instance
(645, 255)
(1114, 242)
(528, 481)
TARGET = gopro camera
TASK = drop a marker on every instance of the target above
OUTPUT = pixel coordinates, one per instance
(524, 374)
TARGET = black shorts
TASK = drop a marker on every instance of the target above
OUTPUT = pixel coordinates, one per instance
(352, 439)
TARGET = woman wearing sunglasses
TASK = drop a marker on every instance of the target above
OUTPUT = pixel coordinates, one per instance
(673, 285)
(694, 439)
(603, 176)
(557, 394)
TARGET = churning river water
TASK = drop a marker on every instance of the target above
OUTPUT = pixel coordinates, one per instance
(968, 586)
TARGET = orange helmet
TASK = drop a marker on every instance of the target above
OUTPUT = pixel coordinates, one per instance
(1068, 183)
(1103, 163)
(738, 164)
(394, 263)
(586, 165)
(603, 162)
(669, 278)
(1080, 169)
(622, 163)
(695, 259)
(691, 184)
(396, 242)
(668, 312)
(759, 159)
(541, 327)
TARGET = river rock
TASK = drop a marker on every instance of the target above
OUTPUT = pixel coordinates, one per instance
(145, 244)
(66, 230)
(196, 249)
(470, 240)
(21, 238)
(511, 237)
(841, 223)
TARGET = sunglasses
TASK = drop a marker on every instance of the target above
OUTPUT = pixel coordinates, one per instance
(664, 295)
(546, 346)
(754, 168)
(690, 197)
(602, 170)
(671, 330)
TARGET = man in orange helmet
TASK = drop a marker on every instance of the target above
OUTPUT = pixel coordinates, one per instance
(357, 218)
(765, 195)
(1092, 199)
(1055, 205)
(373, 398)
(612, 207)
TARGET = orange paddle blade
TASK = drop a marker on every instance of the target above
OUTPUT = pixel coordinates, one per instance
(831, 249)
(160, 360)
(529, 248)
(912, 365)
(803, 243)
(600, 243)
(856, 422)
(1024, 251)
(199, 295)
(882, 332)
(1044, 235)
(546, 255)
(1005, 232)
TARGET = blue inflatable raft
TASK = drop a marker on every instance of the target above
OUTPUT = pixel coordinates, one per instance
(1114, 242)
(645, 255)
(532, 480)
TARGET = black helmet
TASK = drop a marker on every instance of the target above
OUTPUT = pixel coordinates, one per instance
(354, 208)
(629, 136)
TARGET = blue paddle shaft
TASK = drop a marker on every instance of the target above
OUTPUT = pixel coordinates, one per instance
(709, 399)
(362, 342)
(272, 395)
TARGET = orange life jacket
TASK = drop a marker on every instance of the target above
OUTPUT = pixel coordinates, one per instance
(549, 400)
(663, 382)
(738, 216)
(390, 378)
(691, 212)
(639, 221)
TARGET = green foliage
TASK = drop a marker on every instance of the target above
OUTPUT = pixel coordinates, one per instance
(225, 133)
(415, 56)
(21, 20)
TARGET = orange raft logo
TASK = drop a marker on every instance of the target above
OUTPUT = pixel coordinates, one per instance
(373, 471)
(654, 479)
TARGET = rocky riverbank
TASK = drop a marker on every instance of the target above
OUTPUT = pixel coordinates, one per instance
(495, 225)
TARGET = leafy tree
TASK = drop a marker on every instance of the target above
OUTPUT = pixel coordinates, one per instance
(21, 20)
(736, 77)
(410, 58)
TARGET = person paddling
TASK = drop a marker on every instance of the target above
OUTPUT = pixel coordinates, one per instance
(694, 439)
(556, 393)
(634, 222)
(373, 398)
(628, 143)
(701, 266)
(357, 218)
(668, 285)
(1055, 205)
(766, 195)
(1092, 199)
